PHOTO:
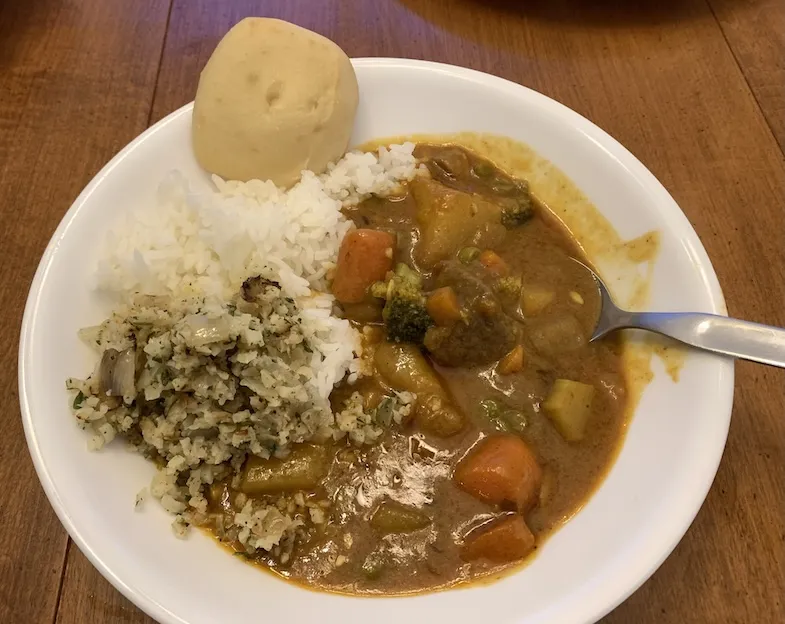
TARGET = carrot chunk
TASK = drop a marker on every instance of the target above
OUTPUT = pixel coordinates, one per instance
(443, 306)
(501, 469)
(494, 262)
(499, 541)
(512, 362)
(365, 257)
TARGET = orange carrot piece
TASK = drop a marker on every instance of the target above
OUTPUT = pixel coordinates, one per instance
(493, 262)
(501, 468)
(499, 541)
(365, 257)
(443, 306)
(512, 362)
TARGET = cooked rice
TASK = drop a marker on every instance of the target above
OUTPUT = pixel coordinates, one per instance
(209, 243)
(221, 375)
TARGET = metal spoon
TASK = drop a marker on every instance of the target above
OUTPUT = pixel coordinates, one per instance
(719, 334)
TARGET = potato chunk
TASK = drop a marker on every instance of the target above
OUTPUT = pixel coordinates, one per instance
(534, 299)
(569, 407)
(303, 469)
(406, 369)
(436, 415)
(393, 517)
(448, 219)
(557, 335)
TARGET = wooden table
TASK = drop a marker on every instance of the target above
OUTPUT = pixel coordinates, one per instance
(694, 88)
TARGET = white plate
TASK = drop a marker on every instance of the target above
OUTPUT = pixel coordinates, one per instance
(627, 529)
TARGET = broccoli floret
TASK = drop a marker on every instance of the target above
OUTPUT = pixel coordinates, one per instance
(519, 210)
(508, 286)
(406, 321)
(404, 311)
(379, 289)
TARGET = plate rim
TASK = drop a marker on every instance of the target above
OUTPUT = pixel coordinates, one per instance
(621, 589)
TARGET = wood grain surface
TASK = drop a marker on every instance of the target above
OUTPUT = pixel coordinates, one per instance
(694, 88)
(755, 30)
(73, 91)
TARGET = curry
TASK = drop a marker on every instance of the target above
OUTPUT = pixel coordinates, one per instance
(501, 417)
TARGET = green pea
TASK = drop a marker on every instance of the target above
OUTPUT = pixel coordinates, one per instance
(467, 255)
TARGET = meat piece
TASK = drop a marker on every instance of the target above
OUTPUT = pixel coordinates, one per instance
(445, 163)
(485, 334)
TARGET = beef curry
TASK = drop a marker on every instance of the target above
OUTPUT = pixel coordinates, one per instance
(475, 318)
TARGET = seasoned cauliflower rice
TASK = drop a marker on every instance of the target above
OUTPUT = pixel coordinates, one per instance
(223, 344)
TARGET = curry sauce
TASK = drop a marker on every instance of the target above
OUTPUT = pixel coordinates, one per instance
(477, 322)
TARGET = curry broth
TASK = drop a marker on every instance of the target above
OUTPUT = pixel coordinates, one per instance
(415, 467)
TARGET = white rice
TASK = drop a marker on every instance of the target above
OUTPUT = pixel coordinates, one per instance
(210, 242)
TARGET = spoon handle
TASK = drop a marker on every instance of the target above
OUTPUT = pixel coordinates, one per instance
(720, 334)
